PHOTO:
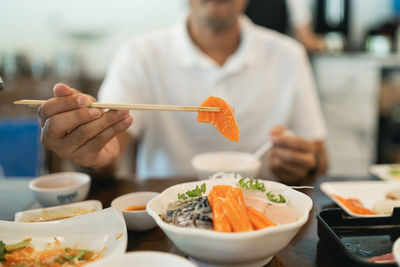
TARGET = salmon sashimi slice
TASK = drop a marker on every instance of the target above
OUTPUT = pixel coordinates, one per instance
(224, 120)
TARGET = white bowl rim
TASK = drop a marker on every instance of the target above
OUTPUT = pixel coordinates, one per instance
(128, 195)
(94, 202)
(33, 182)
(80, 217)
(229, 236)
(396, 250)
(149, 253)
(255, 165)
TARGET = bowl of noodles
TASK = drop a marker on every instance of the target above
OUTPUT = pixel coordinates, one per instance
(231, 220)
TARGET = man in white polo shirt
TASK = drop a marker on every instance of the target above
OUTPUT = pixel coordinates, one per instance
(214, 50)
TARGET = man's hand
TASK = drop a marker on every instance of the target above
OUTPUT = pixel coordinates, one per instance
(291, 157)
(74, 131)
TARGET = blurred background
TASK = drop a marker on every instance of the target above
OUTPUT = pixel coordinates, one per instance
(43, 42)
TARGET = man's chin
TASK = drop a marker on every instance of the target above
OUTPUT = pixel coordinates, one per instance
(218, 23)
(217, 1)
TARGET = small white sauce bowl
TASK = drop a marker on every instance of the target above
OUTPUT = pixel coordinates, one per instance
(244, 163)
(60, 188)
(137, 220)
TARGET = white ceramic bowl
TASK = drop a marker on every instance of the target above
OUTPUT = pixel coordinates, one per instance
(396, 251)
(138, 220)
(94, 231)
(58, 212)
(144, 259)
(231, 249)
(60, 188)
(244, 163)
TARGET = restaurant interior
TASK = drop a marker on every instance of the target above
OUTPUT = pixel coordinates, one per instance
(356, 69)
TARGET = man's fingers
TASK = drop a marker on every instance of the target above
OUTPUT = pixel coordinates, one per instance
(61, 124)
(61, 89)
(295, 157)
(58, 105)
(293, 142)
(85, 132)
(97, 143)
(287, 172)
(277, 130)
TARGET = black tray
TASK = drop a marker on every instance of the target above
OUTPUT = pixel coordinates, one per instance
(353, 240)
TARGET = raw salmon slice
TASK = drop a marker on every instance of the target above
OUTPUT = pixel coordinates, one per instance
(224, 120)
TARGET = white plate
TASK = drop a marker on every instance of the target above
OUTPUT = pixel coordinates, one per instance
(61, 211)
(368, 192)
(396, 251)
(383, 171)
(144, 259)
(94, 231)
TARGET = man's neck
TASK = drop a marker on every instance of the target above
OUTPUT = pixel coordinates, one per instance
(218, 45)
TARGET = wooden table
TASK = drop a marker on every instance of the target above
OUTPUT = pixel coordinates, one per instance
(304, 250)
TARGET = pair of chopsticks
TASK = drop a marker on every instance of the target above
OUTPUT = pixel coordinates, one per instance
(36, 103)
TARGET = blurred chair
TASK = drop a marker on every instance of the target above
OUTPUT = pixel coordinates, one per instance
(21, 153)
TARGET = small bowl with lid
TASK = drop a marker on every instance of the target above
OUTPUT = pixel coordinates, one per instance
(60, 188)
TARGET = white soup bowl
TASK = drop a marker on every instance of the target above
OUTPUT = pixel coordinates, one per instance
(244, 163)
(60, 188)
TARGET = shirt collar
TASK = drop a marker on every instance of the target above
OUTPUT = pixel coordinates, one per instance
(189, 55)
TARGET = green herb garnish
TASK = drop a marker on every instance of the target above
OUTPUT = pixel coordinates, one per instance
(197, 192)
(395, 170)
(80, 256)
(251, 184)
(3, 251)
(67, 257)
(60, 261)
(276, 198)
(22, 244)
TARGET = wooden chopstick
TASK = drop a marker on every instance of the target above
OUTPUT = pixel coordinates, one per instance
(36, 103)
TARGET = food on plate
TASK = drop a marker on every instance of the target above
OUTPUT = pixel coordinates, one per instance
(135, 208)
(281, 214)
(224, 120)
(234, 208)
(394, 170)
(23, 254)
(46, 216)
(193, 212)
(197, 192)
(385, 206)
(354, 205)
(393, 194)
(248, 206)
(386, 258)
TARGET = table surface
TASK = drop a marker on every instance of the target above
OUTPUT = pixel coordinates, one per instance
(304, 250)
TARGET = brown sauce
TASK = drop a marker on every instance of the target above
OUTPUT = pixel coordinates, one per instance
(51, 185)
(135, 208)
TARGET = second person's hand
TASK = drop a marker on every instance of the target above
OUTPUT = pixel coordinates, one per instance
(71, 129)
(291, 157)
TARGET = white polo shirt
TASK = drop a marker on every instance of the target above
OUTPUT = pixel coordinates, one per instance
(268, 81)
